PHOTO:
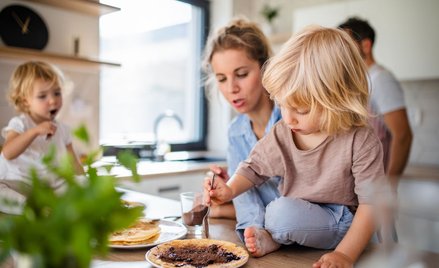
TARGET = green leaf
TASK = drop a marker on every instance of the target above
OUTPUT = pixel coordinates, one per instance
(82, 134)
(67, 227)
(129, 160)
(93, 156)
(49, 157)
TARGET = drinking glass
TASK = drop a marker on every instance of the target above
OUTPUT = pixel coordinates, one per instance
(193, 213)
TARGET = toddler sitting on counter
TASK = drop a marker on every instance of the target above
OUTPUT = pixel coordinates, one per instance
(328, 157)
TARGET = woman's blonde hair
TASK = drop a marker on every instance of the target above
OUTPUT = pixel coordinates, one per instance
(241, 34)
(23, 79)
(321, 68)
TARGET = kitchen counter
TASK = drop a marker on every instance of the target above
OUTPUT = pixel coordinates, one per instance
(223, 229)
(152, 169)
(416, 171)
(166, 179)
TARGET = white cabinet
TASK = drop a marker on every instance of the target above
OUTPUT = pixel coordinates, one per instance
(168, 185)
(406, 31)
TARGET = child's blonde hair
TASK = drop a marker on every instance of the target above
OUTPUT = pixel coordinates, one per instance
(321, 68)
(240, 34)
(23, 79)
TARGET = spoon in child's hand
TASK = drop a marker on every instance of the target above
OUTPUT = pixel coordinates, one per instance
(205, 218)
(212, 183)
(50, 135)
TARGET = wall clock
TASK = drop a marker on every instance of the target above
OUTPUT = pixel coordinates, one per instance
(23, 27)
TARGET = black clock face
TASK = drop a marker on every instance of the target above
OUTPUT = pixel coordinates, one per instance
(20, 26)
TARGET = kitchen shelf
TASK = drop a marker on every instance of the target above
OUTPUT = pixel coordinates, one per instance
(32, 54)
(91, 7)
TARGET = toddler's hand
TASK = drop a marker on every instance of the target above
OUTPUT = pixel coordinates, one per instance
(47, 128)
(334, 259)
(218, 193)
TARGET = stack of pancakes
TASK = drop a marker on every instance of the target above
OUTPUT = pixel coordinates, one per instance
(144, 231)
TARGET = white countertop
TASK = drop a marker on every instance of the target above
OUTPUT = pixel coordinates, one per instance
(146, 168)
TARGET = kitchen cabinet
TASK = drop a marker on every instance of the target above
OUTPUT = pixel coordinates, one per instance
(406, 42)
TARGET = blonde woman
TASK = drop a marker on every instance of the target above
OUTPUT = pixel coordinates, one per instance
(234, 57)
(324, 151)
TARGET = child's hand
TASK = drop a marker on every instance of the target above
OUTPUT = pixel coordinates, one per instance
(218, 193)
(46, 128)
(334, 259)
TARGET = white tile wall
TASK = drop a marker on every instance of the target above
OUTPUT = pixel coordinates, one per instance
(422, 99)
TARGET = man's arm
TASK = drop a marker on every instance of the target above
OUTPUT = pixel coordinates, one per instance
(398, 124)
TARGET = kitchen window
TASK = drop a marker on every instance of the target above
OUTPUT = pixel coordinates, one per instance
(159, 44)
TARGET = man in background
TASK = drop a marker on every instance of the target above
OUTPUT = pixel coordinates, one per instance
(387, 104)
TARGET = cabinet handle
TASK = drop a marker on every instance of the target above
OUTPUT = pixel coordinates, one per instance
(169, 189)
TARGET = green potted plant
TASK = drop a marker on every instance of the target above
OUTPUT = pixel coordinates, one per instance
(67, 229)
(269, 13)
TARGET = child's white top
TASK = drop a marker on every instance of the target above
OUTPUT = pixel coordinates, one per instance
(14, 173)
(18, 168)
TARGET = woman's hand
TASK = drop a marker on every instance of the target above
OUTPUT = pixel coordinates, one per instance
(334, 259)
(219, 172)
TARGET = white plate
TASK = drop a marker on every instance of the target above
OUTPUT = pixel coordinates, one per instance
(231, 247)
(169, 230)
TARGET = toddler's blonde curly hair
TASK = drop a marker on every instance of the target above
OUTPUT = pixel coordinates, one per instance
(23, 79)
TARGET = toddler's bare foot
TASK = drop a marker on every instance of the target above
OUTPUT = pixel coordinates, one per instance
(259, 241)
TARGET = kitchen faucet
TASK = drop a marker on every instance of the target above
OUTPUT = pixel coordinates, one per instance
(160, 152)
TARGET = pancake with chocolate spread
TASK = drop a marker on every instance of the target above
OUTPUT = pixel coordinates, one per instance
(197, 253)
(144, 231)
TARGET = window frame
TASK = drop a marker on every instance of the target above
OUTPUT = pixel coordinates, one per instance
(201, 144)
(139, 148)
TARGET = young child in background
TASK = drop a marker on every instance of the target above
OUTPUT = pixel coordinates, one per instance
(36, 93)
(233, 60)
(324, 151)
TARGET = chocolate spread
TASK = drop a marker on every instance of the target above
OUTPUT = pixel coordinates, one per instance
(197, 256)
(195, 216)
